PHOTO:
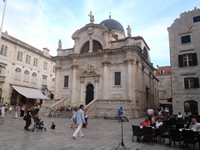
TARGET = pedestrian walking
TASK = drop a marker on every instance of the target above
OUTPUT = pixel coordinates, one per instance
(16, 111)
(28, 119)
(3, 111)
(80, 119)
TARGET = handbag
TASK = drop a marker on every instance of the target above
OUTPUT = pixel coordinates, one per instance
(25, 118)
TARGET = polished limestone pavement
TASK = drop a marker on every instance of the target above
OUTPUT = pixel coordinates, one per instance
(100, 135)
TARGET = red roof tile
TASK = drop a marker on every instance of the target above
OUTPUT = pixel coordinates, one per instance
(166, 70)
(37, 50)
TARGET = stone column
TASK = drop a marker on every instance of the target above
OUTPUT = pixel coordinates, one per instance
(82, 91)
(91, 45)
(105, 79)
(74, 84)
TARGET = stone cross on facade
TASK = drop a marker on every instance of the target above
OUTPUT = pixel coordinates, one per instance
(128, 31)
(59, 44)
(91, 17)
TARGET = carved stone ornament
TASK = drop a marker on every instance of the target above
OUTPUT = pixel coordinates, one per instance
(90, 30)
(90, 71)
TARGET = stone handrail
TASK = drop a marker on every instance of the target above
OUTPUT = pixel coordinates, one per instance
(56, 105)
(108, 107)
(91, 106)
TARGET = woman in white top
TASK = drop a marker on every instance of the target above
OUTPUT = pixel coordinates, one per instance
(10, 109)
(179, 116)
(159, 123)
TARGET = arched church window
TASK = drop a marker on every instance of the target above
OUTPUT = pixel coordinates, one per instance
(145, 53)
(85, 47)
(96, 46)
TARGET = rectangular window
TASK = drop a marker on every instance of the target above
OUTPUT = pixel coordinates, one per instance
(117, 78)
(66, 78)
(191, 83)
(161, 95)
(45, 66)
(2, 68)
(19, 56)
(185, 39)
(186, 60)
(35, 62)
(54, 69)
(44, 80)
(28, 59)
(196, 19)
(161, 82)
(1, 51)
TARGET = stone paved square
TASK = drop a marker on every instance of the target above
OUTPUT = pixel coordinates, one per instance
(101, 135)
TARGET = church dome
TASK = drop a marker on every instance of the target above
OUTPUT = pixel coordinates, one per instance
(113, 25)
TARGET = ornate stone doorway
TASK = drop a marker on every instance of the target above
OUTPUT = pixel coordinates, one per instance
(89, 93)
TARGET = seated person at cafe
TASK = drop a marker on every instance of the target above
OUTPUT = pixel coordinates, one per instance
(146, 122)
(186, 115)
(62, 108)
(194, 125)
(159, 123)
(179, 116)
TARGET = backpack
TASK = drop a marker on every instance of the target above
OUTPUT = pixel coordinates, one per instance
(74, 118)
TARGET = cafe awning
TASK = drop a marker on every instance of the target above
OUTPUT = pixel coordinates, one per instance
(166, 103)
(29, 92)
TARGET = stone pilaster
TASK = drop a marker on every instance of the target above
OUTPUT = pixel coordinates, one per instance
(74, 101)
(57, 87)
(76, 45)
(130, 78)
(105, 80)
(82, 100)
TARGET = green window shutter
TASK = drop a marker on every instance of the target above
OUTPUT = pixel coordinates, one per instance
(180, 60)
(194, 59)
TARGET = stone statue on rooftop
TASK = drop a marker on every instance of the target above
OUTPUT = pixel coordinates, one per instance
(91, 17)
(59, 44)
(128, 31)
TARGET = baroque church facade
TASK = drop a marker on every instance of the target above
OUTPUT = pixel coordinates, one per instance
(105, 70)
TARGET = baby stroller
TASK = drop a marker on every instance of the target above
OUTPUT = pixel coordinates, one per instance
(38, 124)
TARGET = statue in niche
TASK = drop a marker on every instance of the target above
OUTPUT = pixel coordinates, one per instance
(128, 31)
(91, 17)
(59, 44)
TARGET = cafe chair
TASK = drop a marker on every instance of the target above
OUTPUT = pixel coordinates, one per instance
(189, 137)
(136, 132)
(149, 134)
(164, 134)
(175, 136)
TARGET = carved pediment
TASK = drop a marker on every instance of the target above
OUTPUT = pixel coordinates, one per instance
(90, 71)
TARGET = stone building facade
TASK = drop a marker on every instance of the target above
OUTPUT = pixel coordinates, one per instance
(163, 74)
(106, 70)
(23, 70)
(184, 37)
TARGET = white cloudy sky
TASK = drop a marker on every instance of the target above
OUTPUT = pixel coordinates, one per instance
(42, 23)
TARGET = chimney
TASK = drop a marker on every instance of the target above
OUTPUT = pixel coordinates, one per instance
(46, 51)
